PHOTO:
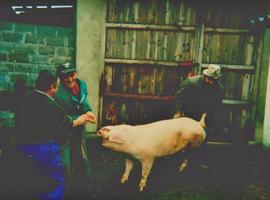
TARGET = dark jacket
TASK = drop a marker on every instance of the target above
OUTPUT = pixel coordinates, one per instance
(195, 97)
(39, 119)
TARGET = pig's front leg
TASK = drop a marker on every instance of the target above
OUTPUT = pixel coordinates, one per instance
(183, 165)
(146, 168)
(128, 168)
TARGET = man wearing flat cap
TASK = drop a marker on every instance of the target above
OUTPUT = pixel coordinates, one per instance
(72, 95)
(199, 94)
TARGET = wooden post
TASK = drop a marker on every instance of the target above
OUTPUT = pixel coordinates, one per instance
(266, 125)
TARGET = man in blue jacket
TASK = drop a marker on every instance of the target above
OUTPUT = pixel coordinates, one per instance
(72, 96)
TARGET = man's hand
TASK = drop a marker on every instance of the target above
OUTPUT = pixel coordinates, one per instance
(91, 117)
(80, 120)
(178, 115)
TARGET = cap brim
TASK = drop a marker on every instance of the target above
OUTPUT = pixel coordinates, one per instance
(66, 71)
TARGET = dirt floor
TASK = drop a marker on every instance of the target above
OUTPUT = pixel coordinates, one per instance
(221, 172)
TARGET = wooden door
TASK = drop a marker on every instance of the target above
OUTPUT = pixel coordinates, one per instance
(152, 46)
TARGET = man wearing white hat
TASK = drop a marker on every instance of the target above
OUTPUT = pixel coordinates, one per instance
(199, 94)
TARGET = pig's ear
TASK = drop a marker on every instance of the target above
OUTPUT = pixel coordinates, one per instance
(117, 137)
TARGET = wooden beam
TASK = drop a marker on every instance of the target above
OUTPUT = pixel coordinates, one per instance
(139, 96)
(235, 102)
(174, 28)
(150, 27)
(226, 30)
(233, 67)
(176, 64)
(149, 62)
(167, 98)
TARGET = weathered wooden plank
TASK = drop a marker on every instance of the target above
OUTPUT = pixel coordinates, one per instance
(246, 87)
(249, 51)
(157, 45)
(133, 45)
(141, 96)
(141, 45)
(119, 43)
(198, 46)
(227, 30)
(232, 67)
(127, 43)
(142, 62)
(174, 28)
(109, 44)
(235, 102)
(224, 48)
(148, 27)
(108, 78)
(170, 98)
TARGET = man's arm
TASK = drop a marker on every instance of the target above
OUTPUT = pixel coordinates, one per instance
(85, 105)
(181, 97)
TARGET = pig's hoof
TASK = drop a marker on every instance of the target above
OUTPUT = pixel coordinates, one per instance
(124, 178)
(183, 165)
(141, 186)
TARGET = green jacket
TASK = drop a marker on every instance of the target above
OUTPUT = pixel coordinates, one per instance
(72, 105)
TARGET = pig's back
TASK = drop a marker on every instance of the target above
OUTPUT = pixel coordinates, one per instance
(168, 136)
(170, 126)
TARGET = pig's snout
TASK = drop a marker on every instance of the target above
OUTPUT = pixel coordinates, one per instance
(104, 133)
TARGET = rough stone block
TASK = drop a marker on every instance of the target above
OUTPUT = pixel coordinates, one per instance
(44, 50)
(24, 67)
(40, 59)
(62, 59)
(3, 56)
(6, 46)
(7, 67)
(26, 28)
(18, 57)
(42, 67)
(35, 39)
(61, 51)
(12, 37)
(55, 41)
(64, 32)
(24, 48)
(5, 83)
(46, 31)
(14, 77)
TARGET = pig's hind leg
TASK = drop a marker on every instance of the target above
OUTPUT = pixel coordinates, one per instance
(146, 168)
(128, 168)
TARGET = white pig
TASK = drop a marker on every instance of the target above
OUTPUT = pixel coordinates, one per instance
(157, 139)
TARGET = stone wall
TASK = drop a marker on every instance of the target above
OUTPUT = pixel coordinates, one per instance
(25, 49)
